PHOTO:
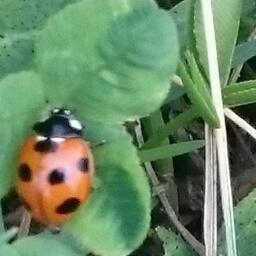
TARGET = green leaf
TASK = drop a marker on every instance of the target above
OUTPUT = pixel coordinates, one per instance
(8, 250)
(173, 244)
(197, 90)
(116, 219)
(113, 68)
(239, 94)
(248, 7)
(245, 222)
(248, 20)
(168, 151)
(226, 20)
(183, 15)
(20, 22)
(98, 132)
(21, 100)
(244, 52)
(40, 246)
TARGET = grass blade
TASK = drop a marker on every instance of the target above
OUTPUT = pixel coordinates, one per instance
(168, 151)
(226, 14)
(163, 167)
(238, 94)
(173, 125)
(197, 92)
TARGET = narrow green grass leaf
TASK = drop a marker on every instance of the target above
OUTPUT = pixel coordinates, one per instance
(226, 20)
(199, 96)
(168, 151)
(245, 221)
(173, 125)
(163, 167)
(240, 94)
(244, 52)
(21, 101)
(201, 84)
(150, 125)
(173, 244)
(116, 219)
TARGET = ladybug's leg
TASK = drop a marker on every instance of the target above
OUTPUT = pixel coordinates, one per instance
(24, 225)
(97, 144)
(55, 229)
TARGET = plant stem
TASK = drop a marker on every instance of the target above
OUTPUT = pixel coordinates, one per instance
(174, 124)
(240, 122)
(210, 199)
(220, 133)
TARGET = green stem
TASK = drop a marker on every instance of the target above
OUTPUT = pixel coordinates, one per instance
(172, 126)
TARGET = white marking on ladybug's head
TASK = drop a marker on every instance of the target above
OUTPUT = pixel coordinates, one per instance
(57, 139)
(67, 112)
(40, 138)
(55, 110)
(75, 124)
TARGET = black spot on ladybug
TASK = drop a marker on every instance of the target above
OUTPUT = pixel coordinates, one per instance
(83, 164)
(56, 176)
(68, 206)
(46, 146)
(24, 173)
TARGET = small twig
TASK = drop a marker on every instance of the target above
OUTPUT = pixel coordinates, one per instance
(240, 122)
(244, 146)
(198, 247)
(24, 225)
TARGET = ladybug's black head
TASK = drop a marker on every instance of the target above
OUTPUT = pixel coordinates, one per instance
(60, 124)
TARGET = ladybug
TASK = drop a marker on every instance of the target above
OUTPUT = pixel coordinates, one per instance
(55, 168)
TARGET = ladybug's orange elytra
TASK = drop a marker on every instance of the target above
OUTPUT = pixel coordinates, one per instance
(55, 169)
